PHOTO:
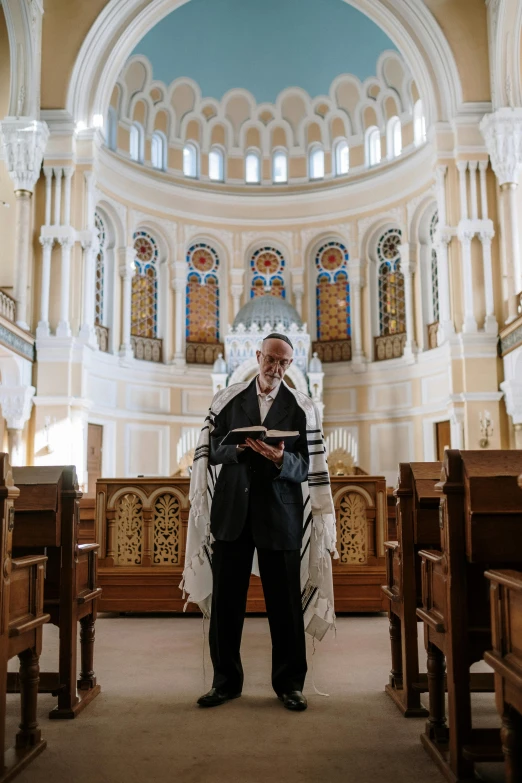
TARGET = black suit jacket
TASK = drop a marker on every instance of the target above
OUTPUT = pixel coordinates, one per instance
(251, 486)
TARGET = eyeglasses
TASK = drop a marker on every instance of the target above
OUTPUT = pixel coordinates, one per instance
(284, 364)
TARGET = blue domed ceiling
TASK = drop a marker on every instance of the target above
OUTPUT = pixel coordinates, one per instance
(263, 46)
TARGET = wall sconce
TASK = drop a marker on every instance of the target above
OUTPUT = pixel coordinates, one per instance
(486, 429)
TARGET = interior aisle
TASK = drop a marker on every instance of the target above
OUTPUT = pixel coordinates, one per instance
(145, 726)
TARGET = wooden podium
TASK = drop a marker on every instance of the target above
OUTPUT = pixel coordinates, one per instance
(141, 526)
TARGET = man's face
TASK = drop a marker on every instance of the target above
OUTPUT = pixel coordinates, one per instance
(274, 359)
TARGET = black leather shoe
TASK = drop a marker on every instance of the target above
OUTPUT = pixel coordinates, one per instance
(294, 700)
(215, 697)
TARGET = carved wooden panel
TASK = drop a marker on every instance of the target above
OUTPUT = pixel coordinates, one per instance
(167, 529)
(353, 529)
(129, 526)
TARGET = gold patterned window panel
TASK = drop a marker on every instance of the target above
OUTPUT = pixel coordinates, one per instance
(167, 530)
(202, 310)
(129, 526)
(353, 530)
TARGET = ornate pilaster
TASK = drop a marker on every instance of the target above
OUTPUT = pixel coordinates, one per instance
(502, 133)
(356, 278)
(486, 235)
(466, 232)
(16, 403)
(64, 327)
(179, 285)
(297, 274)
(407, 269)
(90, 247)
(23, 142)
(236, 289)
(43, 329)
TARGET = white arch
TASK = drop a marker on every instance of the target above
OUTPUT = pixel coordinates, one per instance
(121, 25)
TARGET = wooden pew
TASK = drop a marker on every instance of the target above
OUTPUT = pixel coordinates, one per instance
(21, 621)
(481, 528)
(506, 661)
(417, 512)
(47, 519)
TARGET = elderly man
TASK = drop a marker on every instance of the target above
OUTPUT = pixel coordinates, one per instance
(258, 504)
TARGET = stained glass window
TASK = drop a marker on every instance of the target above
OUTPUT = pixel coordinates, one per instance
(144, 306)
(99, 282)
(434, 269)
(267, 265)
(392, 311)
(332, 292)
(202, 318)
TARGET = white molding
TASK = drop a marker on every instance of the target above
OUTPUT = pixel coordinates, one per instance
(405, 388)
(164, 446)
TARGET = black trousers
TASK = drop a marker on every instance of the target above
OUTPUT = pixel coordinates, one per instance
(279, 570)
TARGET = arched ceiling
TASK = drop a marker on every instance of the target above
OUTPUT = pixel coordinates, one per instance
(263, 46)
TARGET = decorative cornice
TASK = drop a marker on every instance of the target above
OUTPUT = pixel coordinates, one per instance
(16, 403)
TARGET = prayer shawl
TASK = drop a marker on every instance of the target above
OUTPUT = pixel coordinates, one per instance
(319, 529)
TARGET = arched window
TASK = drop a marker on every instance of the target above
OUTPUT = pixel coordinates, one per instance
(434, 273)
(332, 293)
(419, 124)
(267, 265)
(373, 146)
(112, 128)
(280, 166)
(342, 157)
(136, 142)
(190, 160)
(253, 167)
(144, 303)
(99, 280)
(392, 310)
(216, 164)
(316, 162)
(158, 151)
(394, 138)
(202, 319)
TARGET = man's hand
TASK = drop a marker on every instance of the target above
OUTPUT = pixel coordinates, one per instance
(273, 453)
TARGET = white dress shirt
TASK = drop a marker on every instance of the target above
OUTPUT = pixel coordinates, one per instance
(265, 400)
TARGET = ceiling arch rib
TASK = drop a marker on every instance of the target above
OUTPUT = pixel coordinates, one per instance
(123, 23)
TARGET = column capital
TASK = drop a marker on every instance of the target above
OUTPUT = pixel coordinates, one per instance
(407, 264)
(440, 172)
(502, 132)
(179, 271)
(46, 242)
(66, 241)
(237, 276)
(24, 141)
(126, 267)
(16, 403)
(356, 272)
(483, 165)
(467, 229)
(486, 231)
(462, 166)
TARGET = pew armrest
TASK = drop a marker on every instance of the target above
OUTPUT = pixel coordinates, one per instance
(17, 563)
(86, 597)
(86, 548)
(29, 625)
(433, 580)
(393, 587)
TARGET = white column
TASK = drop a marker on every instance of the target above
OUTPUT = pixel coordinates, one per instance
(126, 270)
(64, 328)
(87, 331)
(440, 189)
(446, 326)
(237, 286)
(68, 172)
(407, 269)
(179, 284)
(355, 278)
(490, 323)
(473, 188)
(23, 143)
(483, 167)
(16, 403)
(58, 196)
(462, 166)
(43, 329)
(465, 234)
(22, 254)
(48, 193)
(502, 133)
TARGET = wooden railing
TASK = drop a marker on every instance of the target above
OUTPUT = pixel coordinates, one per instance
(102, 335)
(148, 349)
(432, 334)
(389, 346)
(7, 306)
(203, 353)
(333, 350)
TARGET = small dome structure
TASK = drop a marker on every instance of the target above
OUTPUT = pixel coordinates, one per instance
(267, 309)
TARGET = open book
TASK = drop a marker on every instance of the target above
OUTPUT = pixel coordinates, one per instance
(258, 432)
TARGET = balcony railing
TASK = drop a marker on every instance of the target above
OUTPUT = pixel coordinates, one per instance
(102, 335)
(203, 353)
(333, 350)
(432, 334)
(511, 335)
(148, 349)
(7, 306)
(389, 346)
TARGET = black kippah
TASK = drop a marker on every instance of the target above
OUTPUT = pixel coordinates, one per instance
(277, 336)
